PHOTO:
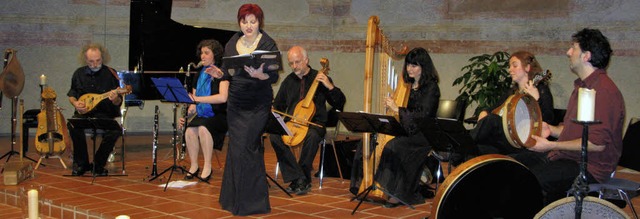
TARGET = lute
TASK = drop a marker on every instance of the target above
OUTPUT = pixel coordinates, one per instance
(91, 100)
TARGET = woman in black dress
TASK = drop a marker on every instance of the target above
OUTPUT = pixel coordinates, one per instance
(209, 126)
(244, 187)
(404, 157)
(488, 133)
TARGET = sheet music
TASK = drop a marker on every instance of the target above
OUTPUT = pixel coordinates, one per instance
(282, 123)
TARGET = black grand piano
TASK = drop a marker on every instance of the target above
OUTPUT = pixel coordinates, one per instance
(159, 46)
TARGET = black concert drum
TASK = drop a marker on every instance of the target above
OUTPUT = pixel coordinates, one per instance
(522, 119)
(488, 186)
(592, 208)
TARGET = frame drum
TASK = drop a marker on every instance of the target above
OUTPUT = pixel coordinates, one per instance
(488, 186)
(592, 208)
(522, 120)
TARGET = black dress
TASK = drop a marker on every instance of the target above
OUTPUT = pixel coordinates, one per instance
(244, 189)
(216, 125)
(404, 157)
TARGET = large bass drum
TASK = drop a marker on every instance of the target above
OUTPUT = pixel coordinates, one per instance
(488, 186)
(521, 120)
(592, 208)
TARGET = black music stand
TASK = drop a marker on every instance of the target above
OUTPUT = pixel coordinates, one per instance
(173, 91)
(94, 124)
(276, 126)
(374, 124)
(447, 135)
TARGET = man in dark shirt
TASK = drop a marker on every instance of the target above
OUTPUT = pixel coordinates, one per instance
(293, 89)
(557, 168)
(94, 78)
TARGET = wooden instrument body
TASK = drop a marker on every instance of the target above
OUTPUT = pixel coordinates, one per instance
(12, 76)
(377, 40)
(52, 135)
(91, 100)
(304, 111)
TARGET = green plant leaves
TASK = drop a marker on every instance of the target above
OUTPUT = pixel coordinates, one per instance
(484, 80)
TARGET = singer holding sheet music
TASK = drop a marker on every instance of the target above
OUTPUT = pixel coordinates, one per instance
(209, 126)
(244, 189)
(404, 157)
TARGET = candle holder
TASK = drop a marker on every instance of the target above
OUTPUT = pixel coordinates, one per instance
(31, 199)
(580, 185)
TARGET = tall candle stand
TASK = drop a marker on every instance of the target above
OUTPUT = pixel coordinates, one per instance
(580, 185)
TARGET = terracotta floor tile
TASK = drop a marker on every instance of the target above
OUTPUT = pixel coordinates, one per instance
(136, 196)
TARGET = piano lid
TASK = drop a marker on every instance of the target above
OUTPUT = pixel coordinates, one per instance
(158, 43)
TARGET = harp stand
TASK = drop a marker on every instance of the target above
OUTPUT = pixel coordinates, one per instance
(580, 185)
(374, 124)
(173, 92)
(14, 123)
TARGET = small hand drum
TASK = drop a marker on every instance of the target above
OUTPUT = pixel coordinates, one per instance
(521, 120)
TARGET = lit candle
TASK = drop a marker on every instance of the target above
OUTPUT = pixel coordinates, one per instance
(33, 203)
(43, 80)
(586, 104)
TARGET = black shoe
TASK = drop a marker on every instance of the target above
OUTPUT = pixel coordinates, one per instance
(206, 179)
(390, 205)
(101, 171)
(80, 170)
(190, 175)
(303, 189)
(293, 187)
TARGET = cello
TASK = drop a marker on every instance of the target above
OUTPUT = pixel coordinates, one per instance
(52, 135)
(304, 111)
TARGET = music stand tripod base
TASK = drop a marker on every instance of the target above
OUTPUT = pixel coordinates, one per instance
(172, 91)
(374, 124)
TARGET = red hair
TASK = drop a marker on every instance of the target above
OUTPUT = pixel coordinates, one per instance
(248, 9)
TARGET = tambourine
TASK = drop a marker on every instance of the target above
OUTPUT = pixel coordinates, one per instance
(521, 119)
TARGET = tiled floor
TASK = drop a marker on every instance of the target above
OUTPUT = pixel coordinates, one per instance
(134, 195)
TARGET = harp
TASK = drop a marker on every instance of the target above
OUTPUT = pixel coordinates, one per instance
(390, 83)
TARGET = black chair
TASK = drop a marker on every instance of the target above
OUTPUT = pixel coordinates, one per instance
(447, 109)
(618, 188)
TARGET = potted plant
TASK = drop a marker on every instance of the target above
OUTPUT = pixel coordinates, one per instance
(484, 80)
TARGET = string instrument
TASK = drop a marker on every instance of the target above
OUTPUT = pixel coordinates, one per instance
(12, 76)
(91, 100)
(304, 111)
(52, 135)
(378, 44)
(539, 77)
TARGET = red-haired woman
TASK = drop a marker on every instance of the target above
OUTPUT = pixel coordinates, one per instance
(244, 188)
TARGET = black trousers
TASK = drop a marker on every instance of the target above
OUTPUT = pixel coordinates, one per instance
(292, 169)
(80, 149)
(555, 176)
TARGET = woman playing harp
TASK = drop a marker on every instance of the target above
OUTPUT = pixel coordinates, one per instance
(403, 157)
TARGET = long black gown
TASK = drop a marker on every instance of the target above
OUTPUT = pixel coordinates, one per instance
(244, 189)
(404, 157)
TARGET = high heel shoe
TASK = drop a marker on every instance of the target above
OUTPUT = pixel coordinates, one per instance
(206, 179)
(190, 176)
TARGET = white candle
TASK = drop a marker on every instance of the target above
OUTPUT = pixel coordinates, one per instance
(123, 217)
(43, 79)
(586, 104)
(33, 203)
